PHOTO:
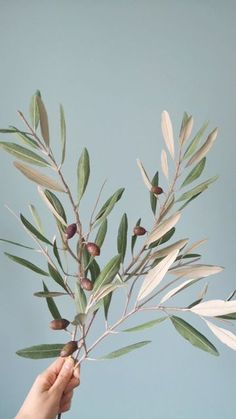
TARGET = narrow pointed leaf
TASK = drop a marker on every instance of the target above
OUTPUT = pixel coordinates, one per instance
(23, 153)
(164, 164)
(41, 351)
(52, 307)
(26, 139)
(189, 200)
(101, 234)
(194, 143)
(56, 276)
(16, 244)
(191, 334)
(155, 275)
(145, 177)
(94, 270)
(36, 218)
(51, 206)
(146, 325)
(34, 230)
(125, 350)
(26, 264)
(163, 239)
(63, 133)
(186, 130)
(49, 294)
(57, 205)
(197, 189)
(106, 304)
(56, 253)
(203, 150)
(231, 316)
(178, 289)
(122, 236)
(225, 336)
(195, 173)
(167, 132)
(168, 205)
(153, 197)
(134, 237)
(43, 119)
(80, 299)
(163, 228)
(109, 204)
(214, 308)
(39, 177)
(108, 273)
(168, 249)
(193, 246)
(196, 271)
(34, 111)
(83, 172)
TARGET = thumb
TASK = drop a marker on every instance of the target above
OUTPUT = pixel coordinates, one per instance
(64, 375)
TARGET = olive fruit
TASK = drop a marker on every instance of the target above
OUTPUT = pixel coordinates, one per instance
(139, 231)
(157, 190)
(59, 324)
(71, 230)
(93, 249)
(69, 348)
(86, 284)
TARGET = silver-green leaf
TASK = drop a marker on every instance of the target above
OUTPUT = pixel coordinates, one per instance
(125, 350)
(83, 172)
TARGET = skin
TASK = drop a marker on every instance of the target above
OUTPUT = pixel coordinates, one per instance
(52, 391)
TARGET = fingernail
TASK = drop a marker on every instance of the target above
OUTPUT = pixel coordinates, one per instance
(69, 363)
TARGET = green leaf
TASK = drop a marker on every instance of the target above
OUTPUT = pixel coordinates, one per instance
(106, 304)
(52, 307)
(122, 236)
(56, 204)
(34, 111)
(23, 153)
(7, 130)
(195, 173)
(56, 276)
(193, 335)
(48, 294)
(153, 198)
(194, 143)
(125, 350)
(146, 325)
(43, 119)
(56, 253)
(85, 259)
(38, 177)
(36, 218)
(108, 206)
(63, 133)
(80, 299)
(26, 139)
(16, 244)
(41, 351)
(184, 120)
(83, 172)
(187, 202)
(108, 273)
(34, 230)
(101, 234)
(134, 237)
(231, 316)
(26, 263)
(197, 189)
(94, 270)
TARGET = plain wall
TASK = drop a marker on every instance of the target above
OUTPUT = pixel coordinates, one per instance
(115, 65)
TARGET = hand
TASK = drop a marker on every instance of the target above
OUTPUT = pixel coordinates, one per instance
(52, 391)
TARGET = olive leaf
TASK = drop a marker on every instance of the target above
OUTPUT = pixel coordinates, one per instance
(83, 172)
(125, 350)
(122, 236)
(36, 218)
(106, 304)
(191, 334)
(146, 325)
(101, 234)
(16, 244)
(23, 153)
(26, 139)
(203, 150)
(34, 230)
(145, 177)
(197, 189)
(56, 276)
(186, 130)
(214, 308)
(194, 143)
(51, 206)
(153, 198)
(196, 271)
(163, 239)
(56, 253)
(167, 132)
(34, 110)
(225, 336)
(108, 206)
(43, 119)
(195, 173)
(178, 289)
(164, 164)
(134, 237)
(41, 351)
(108, 273)
(161, 229)
(80, 299)
(26, 263)
(39, 177)
(57, 205)
(63, 133)
(51, 304)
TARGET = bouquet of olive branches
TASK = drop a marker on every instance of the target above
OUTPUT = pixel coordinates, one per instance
(155, 273)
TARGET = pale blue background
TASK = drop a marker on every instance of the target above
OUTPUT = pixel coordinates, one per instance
(115, 65)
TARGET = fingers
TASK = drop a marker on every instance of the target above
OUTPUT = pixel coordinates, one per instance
(73, 383)
(64, 376)
(66, 402)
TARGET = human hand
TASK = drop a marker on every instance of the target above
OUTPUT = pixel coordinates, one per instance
(52, 391)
